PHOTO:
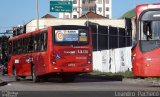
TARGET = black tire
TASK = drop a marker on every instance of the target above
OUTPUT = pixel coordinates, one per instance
(142, 77)
(34, 77)
(68, 77)
(44, 79)
(17, 78)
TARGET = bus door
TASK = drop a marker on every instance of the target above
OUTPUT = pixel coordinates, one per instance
(27, 58)
(39, 54)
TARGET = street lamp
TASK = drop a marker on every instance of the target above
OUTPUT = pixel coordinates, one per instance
(37, 14)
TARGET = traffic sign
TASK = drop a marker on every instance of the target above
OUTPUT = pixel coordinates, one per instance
(61, 6)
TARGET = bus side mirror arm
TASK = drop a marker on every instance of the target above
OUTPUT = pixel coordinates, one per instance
(147, 30)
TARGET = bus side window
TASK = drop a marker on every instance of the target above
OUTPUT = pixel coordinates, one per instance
(27, 44)
(24, 45)
(36, 42)
(19, 46)
(39, 42)
(30, 44)
(45, 41)
(42, 42)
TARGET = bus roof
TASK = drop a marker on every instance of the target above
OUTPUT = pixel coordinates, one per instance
(28, 33)
(142, 7)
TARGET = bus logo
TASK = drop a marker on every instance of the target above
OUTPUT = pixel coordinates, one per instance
(59, 36)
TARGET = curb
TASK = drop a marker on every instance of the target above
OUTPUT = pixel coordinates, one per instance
(108, 78)
(120, 78)
(153, 82)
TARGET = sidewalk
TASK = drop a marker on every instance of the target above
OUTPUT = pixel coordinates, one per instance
(133, 80)
(2, 81)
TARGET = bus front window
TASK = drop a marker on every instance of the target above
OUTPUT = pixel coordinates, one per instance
(150, 31)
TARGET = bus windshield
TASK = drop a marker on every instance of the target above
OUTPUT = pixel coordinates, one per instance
(75, 37)
(150, 31)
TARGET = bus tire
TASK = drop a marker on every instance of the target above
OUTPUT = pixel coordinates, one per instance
(15, 74)
(34, 77)
(68, 77)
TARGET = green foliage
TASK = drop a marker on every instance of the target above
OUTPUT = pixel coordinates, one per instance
(129, 14)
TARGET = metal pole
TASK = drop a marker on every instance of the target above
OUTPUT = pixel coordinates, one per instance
(97, 39)
(108, 38)
(37, 14)
(118, 36)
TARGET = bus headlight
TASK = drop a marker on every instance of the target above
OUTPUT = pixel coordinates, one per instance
(89, 62)
(133, 57)
(53, 62)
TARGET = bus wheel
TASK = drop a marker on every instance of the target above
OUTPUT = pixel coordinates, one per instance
(15, 75)
(34, 77)
(68, 77)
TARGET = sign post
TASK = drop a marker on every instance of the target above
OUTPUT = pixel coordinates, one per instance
(61, 6)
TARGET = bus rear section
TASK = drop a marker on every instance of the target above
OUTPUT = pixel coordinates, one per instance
(70, 51)
(146, 54)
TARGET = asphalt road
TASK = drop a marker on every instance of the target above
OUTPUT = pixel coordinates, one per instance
(82, 87)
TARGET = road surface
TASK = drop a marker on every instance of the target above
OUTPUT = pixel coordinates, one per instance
(81, 84)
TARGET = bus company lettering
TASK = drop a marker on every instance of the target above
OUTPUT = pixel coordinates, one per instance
(78, 52)
(69, 52)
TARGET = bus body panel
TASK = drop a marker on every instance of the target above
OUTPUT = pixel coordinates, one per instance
(20, 64)
(146, 65)
(67, 60)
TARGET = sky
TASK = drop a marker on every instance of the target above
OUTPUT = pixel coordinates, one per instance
(19, 12)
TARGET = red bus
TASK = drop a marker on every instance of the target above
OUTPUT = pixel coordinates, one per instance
(146, 52)
(64, 50)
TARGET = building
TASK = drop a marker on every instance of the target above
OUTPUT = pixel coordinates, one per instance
(81, 7)
(45, 22)
(92, 15)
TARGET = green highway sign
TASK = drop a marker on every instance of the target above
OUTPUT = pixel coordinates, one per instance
(60, 6)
